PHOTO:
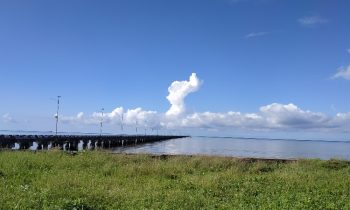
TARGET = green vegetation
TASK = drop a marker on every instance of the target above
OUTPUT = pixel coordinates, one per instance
(99, 180)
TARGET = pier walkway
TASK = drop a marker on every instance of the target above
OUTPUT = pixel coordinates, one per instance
(73, 142)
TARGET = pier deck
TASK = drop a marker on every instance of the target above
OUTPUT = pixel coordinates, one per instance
(71, 142)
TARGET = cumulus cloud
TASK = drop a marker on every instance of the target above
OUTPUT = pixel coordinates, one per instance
(270, 117)
(343, 73)
(130, 117)
(256, 34)
(7, 118)
(312, 20)
(290, 116)
(275, 116)
(178, 91)
(212, 120)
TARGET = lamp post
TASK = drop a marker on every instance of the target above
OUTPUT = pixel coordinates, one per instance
(121, 122)
(146, 127)
(136, 126)
(101, 123)
(58, 108)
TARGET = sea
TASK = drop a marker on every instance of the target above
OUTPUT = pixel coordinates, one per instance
(232, 147)
(246, 148)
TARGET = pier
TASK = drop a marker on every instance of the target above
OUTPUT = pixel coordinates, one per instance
(75, 142)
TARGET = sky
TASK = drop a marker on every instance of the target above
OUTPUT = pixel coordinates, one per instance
(252, 68)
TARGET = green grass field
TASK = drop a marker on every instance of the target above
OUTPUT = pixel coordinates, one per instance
(99, 180)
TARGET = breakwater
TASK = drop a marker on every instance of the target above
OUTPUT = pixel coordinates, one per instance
(76, 142)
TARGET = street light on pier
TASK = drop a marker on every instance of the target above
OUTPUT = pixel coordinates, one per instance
(145, 127)
(136, 126)
(101, 123)
(58, 108)
(121, 123)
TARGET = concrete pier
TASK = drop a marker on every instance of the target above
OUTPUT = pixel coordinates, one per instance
(71, 142)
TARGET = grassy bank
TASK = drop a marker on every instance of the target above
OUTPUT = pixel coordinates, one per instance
(97, 180)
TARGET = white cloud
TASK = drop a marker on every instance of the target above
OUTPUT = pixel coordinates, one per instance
(275, 116)
(7, 118)
(142, 117)
(225, 120)
(78, 118)
(131, 117)
(349, 50)
(312, 20)
(256, 34)
(270, 117)
(343, 72)
(178, 91)
(290, 116)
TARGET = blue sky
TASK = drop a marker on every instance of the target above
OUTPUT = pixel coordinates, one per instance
(247, 54)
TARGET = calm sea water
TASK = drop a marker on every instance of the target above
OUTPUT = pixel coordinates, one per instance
(239, 147)
(234, 147)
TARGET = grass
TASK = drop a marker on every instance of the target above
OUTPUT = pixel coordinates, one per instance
(99, 180)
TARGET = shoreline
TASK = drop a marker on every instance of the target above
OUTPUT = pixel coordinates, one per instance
(166, 156)
(244, 159)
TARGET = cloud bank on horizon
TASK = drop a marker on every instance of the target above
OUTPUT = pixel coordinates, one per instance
(274, 116)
